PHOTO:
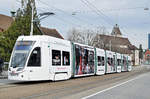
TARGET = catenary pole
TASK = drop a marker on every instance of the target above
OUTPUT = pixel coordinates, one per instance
(32, 6)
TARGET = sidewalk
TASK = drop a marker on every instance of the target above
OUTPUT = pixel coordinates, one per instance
(141, 67)
(4, 75)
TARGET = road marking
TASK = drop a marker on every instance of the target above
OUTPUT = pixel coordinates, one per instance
(2, 84)
(114, 86)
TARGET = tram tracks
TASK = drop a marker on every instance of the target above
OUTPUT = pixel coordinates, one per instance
(65, 91)
(64, 88)
(7, 86)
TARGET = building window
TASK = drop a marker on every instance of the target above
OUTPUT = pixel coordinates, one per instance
(56, 57)
(66, 58)
(35, 58)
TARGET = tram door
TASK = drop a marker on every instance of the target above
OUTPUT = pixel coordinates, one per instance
(37, 63)
(34, 64)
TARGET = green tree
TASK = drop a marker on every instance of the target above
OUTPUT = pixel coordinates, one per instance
(21, 26)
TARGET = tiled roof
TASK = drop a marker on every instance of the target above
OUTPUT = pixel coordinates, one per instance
(5, 22)
(118, 44)
(133, 47)
(51, 32)
(115, 40)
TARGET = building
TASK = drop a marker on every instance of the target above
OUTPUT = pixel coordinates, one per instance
(6, 21)
(147, 56)
(147, 52)
(116, 31)
(51, 32)
(115, 42)
(148, 41)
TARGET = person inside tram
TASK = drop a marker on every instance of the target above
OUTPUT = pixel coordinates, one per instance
(56, 60)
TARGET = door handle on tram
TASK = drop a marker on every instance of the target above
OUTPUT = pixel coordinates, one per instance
(31, 70)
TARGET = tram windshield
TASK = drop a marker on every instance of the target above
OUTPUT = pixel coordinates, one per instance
(21, 52)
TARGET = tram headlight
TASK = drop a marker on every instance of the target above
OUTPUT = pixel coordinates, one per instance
(9, 69)
(22, 76)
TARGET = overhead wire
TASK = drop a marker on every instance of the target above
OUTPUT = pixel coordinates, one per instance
(60, 10)
(102, 15)
(97, 11)
(94, 9)
(61, 19)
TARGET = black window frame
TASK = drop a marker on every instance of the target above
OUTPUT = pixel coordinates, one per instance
(29, 62)
(56, 64)
(101, 59)
(67, 63)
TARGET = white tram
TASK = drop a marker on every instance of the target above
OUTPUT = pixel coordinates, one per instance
(110, 63)
(100, 61)
(129, 63)
(43, 57)
(118, 57)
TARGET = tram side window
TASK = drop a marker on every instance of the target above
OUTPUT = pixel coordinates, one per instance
(99, 60)
(35, 58)
(56, 57)
(109, 61)
(91, 58)
(124, 62)
(66, 58)
(119, 62)
(103, 61)
(129, 63)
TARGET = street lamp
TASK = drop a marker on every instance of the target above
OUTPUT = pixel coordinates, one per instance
(42, 16)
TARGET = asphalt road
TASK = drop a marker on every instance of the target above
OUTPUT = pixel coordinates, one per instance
(75, 88)
(6, 81)
(136, 88)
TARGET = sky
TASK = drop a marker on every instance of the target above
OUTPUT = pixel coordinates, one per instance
(133, 20)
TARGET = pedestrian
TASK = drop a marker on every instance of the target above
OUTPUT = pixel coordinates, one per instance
(1, 65)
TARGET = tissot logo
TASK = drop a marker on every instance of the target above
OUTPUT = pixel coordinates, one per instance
(100, 70)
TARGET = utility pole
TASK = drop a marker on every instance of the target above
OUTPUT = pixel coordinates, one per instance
(32, 6)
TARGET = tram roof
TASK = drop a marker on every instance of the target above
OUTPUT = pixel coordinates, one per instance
(43, 38)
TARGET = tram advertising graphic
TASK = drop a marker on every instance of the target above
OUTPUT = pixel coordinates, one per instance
(84, 60)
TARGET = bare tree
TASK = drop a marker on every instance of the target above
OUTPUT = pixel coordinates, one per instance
(99, 41)
(82, 36)
(88, 37)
